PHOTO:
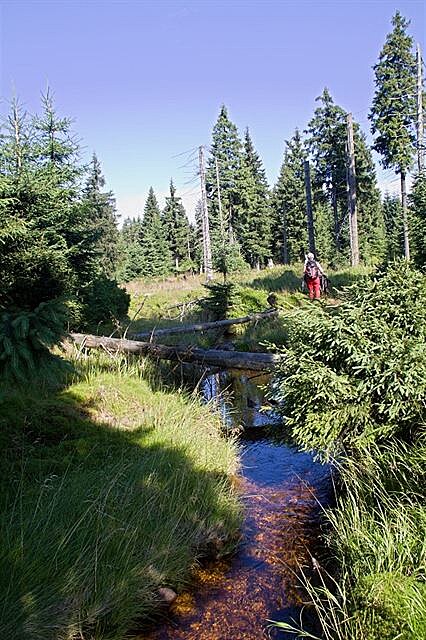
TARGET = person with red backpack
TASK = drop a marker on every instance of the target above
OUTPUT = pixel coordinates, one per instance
(312, 273)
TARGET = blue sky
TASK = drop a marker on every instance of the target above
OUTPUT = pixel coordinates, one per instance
(144, 81)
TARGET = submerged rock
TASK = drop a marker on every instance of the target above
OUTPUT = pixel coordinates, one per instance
(167, 595)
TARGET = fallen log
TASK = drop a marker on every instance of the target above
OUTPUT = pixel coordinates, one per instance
(210, 357)
(206, 326)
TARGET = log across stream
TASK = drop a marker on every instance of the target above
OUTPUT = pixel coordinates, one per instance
(282, 489)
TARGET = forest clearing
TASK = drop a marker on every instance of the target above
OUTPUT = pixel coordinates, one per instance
(213, 392)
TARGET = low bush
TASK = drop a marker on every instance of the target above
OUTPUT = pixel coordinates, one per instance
(357, 373)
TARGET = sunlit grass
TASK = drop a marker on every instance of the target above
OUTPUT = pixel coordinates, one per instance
(111, 488)
(161, 303)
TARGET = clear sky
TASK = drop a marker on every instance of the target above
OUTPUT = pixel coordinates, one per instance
(144, 80)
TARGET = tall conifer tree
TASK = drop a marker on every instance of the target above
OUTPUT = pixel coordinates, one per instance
(327, 144)
(100, 208)
(156, 256)
(56, 149)
(371, 226)
(176, 227)
(417, 217)
(226, 150)
(392, 214)
(131, 264)
(253, 224)
(17, 143)
(289, 203)
(393, 111)
(64, 220)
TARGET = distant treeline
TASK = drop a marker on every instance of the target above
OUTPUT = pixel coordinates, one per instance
(252, 224)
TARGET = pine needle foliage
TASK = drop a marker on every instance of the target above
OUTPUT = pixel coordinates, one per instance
(417, 219)
(220, 300)
(357, 374)
(26, 340)
(392, 113)
(57, 240)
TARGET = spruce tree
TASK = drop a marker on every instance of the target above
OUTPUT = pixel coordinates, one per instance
(417, 217)
(131, 264)
(253, 223)
(324, 234)
(371, 226)
(289, 204)
(36, 274)
(49, 258)
(327, 144)
(100, 209)
(156, 256)
(392, 214)
(17, 144)
(56, 149)
(62, 217)
(226, 151)
(393, 110)
(176, 227)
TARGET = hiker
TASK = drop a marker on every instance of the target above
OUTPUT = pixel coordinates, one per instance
(312, 273)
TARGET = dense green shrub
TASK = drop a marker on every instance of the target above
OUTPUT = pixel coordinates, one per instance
(357, 373)
(26, 339)
(103, 301)
(353, 380)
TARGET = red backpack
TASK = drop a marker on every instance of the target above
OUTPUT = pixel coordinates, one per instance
(311, 270)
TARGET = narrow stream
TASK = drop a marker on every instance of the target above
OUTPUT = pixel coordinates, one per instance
(282, 490)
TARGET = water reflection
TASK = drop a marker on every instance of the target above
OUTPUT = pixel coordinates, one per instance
(239, 397)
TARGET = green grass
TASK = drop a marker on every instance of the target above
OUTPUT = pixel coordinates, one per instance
(111, 488)
(153, 304)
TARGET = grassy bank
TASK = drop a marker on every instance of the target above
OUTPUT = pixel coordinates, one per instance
(168, 302)
(111, 488)
(355, 388)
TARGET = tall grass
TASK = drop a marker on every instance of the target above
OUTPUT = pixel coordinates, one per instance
(111, 488)
(377, 537)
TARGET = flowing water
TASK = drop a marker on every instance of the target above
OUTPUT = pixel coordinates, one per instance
(282, 491)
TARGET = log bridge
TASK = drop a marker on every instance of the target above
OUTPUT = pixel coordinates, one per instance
(188, 354)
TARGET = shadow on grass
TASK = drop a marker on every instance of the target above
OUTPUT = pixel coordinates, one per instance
(288, 280)
(291, 281)
(346, 278)
(95, 518)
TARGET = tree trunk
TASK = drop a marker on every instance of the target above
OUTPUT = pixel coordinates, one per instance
(206, 326)
(207, 357)
(285, 242)
(405, 216)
